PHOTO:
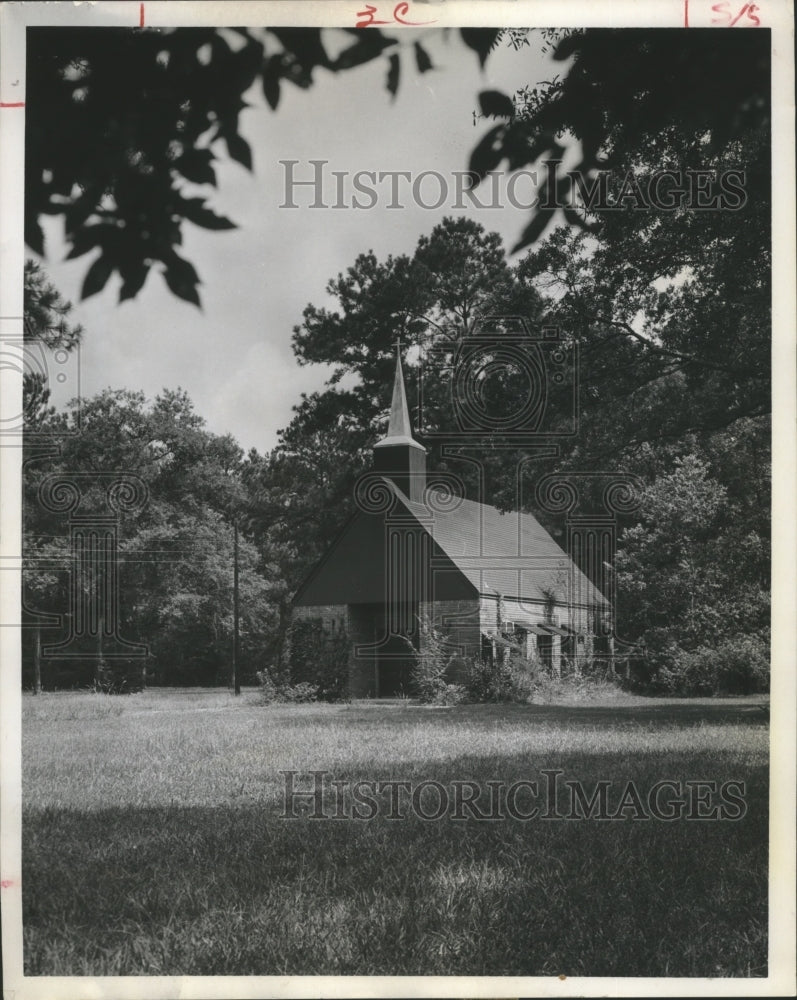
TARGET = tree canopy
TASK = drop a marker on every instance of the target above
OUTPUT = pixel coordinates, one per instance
(175, 553)
(125, 127)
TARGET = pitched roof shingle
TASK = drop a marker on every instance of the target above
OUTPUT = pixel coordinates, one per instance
(504, 553)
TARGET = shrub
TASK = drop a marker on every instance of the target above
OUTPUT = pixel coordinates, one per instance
(280, 691)
(737, 665)
(450, 694)
(302, 692)
(430, 666)
(511, 677)
(269, 690)
(118, 677)
(319, 658)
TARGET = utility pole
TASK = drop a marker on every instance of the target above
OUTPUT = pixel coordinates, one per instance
(236, 680)
(37, 661)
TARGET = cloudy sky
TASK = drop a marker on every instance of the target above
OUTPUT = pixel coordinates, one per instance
(234, 357)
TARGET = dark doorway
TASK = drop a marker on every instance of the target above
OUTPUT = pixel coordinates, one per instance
(395, 675)
(545, 649)
(385, 664)
(395, 659)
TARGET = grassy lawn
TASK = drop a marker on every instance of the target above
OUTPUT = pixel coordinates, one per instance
(153, 843)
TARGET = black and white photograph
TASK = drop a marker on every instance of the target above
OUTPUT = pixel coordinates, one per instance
(397, 436)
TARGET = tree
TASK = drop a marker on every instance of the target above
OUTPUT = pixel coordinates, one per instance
(457, 273)
(46, 323)
(693, 574)
(125, 128)
(633, 98)
(654, 401)
(175, 553)
(46, 312)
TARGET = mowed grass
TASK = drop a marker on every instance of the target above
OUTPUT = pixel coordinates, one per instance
(153, 843)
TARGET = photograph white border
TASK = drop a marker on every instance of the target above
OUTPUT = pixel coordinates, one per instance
(774, 14)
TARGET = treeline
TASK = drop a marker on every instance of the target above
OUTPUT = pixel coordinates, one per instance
(692, 564)
(669, 310)
(173, 552)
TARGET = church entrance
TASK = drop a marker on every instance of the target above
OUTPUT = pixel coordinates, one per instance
(394, 671)
(394, 658)
(384, 668)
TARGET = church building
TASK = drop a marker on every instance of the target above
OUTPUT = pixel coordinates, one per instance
(416, 553)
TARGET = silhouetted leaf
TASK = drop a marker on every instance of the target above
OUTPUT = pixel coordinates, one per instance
(97, 276)
(87, 239)
(133, 278)
(34, 234)
(422, 60)
(481, 40)
(239, 149)
(79, 210)
(539, 223)
(246, 64)
(271, 83)
(488, 153)
(182, 279)
(567, 46)
(495, 104)
(305, 44)
(394, 68)
(369, 45)
(196, 165)
(197, 212)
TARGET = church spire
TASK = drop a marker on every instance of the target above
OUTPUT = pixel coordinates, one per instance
(399, 428)
(398, 456)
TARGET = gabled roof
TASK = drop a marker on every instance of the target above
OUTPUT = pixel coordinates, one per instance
(504, 553)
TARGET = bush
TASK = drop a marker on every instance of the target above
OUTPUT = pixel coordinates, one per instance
(279, 691)
(737, 665)
(516, 678)
(512, 677)
(302, 692)
(429, 669)
(118, 677)
(449, 694)
(319, 659)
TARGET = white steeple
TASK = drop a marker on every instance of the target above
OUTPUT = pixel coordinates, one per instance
(399, 428)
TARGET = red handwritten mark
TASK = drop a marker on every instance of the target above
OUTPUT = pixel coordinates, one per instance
(12, 104)
(724, 9)
(400, 11)
(368, 13)
(751, 8)
(6, 883)
(141, 15)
